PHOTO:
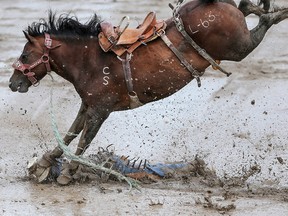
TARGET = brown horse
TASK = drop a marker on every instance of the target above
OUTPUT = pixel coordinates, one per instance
(73, 52)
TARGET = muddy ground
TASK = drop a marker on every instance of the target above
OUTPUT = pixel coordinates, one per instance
(232, 123)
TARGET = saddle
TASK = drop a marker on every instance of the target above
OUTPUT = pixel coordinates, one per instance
(128, 39)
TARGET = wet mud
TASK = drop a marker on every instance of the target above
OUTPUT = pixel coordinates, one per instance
(236, 125)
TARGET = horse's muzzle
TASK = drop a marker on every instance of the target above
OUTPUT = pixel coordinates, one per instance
(19, 86)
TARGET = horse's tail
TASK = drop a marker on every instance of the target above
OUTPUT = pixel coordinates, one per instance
(207, 1)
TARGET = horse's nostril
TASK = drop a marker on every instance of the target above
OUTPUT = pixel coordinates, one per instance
(19, 85)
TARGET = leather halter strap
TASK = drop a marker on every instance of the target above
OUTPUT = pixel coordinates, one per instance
(26, 69)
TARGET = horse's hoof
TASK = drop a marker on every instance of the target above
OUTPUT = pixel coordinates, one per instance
(32, 164)
(64, 179)
(40, 169)
(44, 175)
(37, 171)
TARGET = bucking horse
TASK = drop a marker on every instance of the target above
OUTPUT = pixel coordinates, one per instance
(119, 68)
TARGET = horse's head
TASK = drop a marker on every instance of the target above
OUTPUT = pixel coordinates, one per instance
(32, 65)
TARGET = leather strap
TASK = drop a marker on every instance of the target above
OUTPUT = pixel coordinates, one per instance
(180, 56)
(180, 27)
(26, 69)
(134, 100)
(127, 72)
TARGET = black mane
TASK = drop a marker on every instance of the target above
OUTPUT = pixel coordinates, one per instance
(65, 25)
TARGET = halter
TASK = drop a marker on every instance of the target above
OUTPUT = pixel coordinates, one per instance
(26, 68)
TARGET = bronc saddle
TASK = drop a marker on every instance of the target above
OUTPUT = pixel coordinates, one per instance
(128, 39)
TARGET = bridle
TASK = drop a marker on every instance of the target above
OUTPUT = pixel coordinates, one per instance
(26, 69)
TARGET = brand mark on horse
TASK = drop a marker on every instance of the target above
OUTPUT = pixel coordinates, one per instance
(106, 77)
(205, 23)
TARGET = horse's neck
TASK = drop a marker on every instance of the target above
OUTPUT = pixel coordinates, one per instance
(69, 60)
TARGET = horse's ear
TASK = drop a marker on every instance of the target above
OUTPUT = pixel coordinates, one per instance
(29, 38)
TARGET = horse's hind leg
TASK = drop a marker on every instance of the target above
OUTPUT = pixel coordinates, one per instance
(250, 41)
(93, 122)
(266, 21)
(276, 17)
(266, 4)
(247, 7)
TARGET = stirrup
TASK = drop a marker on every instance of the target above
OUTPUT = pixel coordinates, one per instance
(126, 26)
(134, 100)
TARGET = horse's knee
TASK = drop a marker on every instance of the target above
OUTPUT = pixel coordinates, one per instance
(269, 19)
(264, 19)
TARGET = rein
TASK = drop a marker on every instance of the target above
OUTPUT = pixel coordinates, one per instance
(26, 69)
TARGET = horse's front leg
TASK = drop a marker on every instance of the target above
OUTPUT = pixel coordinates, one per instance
(48, 158)
(73, 132)
(247, 7)
(93, 121)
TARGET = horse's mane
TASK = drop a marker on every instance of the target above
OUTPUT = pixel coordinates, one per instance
(65, 25)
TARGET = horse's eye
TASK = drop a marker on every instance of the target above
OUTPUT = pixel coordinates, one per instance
(24, 58)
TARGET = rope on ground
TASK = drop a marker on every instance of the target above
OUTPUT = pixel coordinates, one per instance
(80, 159)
